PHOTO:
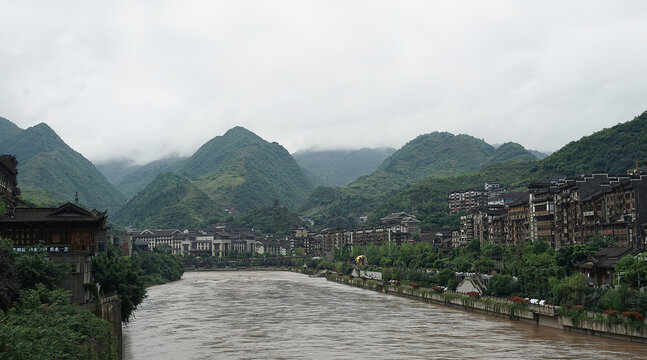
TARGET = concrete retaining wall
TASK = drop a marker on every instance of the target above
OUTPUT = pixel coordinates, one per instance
(544, 315)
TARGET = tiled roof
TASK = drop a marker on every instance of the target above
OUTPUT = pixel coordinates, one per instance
(65, 213)
(159, 232)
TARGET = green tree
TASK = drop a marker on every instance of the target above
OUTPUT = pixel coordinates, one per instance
(474, 247)
(570, 290)
(299, 252)
(502, 285)
(632, 271)
(614, 299)
(35, 267)
(8, 278)
(122, 276)
(44, 325)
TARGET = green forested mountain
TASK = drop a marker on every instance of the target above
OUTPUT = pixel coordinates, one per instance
(341, 167)
(434, 155)
(511, 151)
(429, 197)
(50, 172)
(539, 154)
(8, 130)
(138, 179)
(438, 154)
(241, 170)
(169, 201)
(611, 150)
(614, 150)
(269, 220)
(129, 178)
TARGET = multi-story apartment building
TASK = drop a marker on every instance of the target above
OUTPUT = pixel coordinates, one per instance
(310, 242)
(567, 211)
(396, 228)
(162, 238)
(569, 196)
(467, 200)
(518, 221)
(621, 209)
(541, 207)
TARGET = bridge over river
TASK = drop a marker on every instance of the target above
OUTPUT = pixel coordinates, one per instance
(284, 315)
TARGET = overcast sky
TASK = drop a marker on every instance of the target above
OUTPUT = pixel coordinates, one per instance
(142, 79)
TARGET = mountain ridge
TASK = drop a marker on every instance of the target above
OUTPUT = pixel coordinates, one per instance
(50, 172)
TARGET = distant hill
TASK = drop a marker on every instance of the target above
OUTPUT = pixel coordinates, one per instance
(169, 201)
(269, 220)
(438, 154)
(8, 130)
(614, 150)
(50, 172)
(540, 154)
(434, 155)
(341, 167)
(611, 150)
(139, 178)
(115, 170)
(511, 151)
(243, 171)
(129, 178)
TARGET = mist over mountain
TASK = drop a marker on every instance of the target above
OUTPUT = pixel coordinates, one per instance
(137, 179)
(433, 155)
(340, 167)
(540, 154)
(115, 170)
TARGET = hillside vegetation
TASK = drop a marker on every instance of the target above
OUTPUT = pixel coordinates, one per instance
(434, 155)
(50, 172)
(623, 143)
(243, 171)
(611, 150)
(614, 150)
(269, 220)
(170, 201)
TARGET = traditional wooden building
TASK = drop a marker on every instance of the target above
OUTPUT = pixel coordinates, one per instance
(9, 191)
(69, 233)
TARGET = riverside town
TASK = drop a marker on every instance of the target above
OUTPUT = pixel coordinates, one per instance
(565, 253)
(323, 180)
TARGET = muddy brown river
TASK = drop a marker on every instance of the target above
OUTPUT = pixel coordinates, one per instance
(284, 315)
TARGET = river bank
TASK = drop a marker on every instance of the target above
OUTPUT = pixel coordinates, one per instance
(283, 314)
(543, 315)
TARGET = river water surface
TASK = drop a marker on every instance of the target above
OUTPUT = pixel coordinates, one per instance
(284, 315)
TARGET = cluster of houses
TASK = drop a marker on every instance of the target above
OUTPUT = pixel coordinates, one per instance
(222, 241)
(563, 212)
(560, 212)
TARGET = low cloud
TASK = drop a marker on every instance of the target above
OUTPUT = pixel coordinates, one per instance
(141, 80)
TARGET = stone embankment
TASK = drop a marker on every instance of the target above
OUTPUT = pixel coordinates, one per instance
(544, 315)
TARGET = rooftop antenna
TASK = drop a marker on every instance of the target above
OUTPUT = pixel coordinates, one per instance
(76, 198)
